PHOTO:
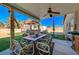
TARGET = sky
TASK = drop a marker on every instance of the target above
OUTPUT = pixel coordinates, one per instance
(4, 15)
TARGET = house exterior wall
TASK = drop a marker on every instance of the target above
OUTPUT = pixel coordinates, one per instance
(77, 20)
(69, 25)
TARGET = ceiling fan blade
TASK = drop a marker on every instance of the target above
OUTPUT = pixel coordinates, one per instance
(56, 12)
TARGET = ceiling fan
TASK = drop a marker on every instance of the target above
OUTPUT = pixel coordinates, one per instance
(50, 12)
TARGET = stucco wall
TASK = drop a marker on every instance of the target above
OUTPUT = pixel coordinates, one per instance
(69, 25)
(77, 20)
(69, 22)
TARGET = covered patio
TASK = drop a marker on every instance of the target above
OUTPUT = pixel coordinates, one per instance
(35, 42)
(65, 48)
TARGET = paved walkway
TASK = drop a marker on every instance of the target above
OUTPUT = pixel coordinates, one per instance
(61, 48)
(6, 52)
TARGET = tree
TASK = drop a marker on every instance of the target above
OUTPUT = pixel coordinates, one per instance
(1, 25)
(17, 23)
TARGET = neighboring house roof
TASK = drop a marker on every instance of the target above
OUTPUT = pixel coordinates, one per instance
(31, 22)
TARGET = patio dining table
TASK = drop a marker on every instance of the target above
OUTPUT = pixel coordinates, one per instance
(34, 39)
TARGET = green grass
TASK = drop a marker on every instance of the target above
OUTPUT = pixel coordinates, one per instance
(5, 42)
(18, 38)
(60, 37)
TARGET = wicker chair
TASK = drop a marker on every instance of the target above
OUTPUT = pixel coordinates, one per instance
(17, 47)
(25, 34)
(25, 42)
(43, 49)
(46, 42)
(25, 50)
(44, 32)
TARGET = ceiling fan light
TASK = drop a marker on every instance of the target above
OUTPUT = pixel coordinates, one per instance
(50, 15)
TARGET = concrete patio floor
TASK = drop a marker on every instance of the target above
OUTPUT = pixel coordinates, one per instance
(61, 47)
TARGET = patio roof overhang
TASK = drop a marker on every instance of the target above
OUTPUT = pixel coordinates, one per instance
(20, 10)
(38, 10)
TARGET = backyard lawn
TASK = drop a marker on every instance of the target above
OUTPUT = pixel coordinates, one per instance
(5, 42)
(60, 37)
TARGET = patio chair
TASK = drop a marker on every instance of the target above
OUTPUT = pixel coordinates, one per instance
(27, 50)
(44, 32)
(46, 43)
(43, 48)
(25, 34)
(17, 47)
(24, 42)
(46, 39)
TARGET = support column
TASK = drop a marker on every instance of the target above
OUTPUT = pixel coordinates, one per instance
(30, 26)
(76, 25)
(39, 27)
(11, 29)
(53, 28)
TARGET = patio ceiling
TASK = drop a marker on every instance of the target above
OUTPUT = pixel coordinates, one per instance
(40, 9)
